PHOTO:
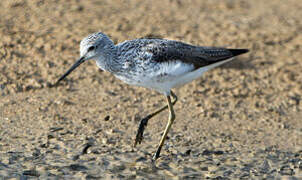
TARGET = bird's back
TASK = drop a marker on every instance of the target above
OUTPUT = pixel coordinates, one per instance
(163, 50)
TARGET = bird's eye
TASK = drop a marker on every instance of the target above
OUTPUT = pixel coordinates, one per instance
(91, 48)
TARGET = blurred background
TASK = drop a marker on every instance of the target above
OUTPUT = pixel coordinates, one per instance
(241, 120)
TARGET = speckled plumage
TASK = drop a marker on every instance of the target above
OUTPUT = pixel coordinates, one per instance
(158, 64)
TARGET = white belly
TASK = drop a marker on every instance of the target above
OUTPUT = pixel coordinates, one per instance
(169, 75)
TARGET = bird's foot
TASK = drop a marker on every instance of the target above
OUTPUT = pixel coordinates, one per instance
(140, 131)
(139, 137)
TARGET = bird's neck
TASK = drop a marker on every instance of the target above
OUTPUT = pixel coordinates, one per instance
(107, 60)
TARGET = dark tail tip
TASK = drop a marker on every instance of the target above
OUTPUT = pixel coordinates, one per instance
(237, 52)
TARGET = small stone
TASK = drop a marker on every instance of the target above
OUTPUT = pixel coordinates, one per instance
(31, 173)
(107, 118)
(188, 152)
(86, 147)
(218, 152)
(77, 167)
(206, 152)
(286, 170)
(185, 152)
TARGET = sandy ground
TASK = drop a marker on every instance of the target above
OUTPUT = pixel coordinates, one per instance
(242, 120)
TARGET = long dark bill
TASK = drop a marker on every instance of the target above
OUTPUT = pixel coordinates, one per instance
(73, 67)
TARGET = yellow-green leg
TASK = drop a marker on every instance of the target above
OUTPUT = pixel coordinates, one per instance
(168, 127)
(144, 121)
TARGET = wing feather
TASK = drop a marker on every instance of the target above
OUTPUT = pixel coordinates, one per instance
(163, 50)
(168, 50)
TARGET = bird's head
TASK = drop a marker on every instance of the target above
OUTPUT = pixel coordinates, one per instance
(91, 47)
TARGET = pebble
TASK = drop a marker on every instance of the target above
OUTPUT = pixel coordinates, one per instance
(31, 173)
(77, 167)
(286, 170)
(107, 118)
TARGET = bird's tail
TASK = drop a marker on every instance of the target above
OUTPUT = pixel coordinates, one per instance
(236, 52)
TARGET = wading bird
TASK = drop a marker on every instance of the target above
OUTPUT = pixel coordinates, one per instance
(157, 64)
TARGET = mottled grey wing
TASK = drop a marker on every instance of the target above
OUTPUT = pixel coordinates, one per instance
(167, 50)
